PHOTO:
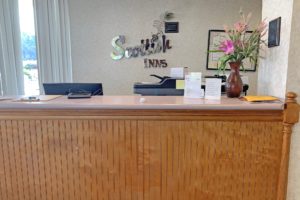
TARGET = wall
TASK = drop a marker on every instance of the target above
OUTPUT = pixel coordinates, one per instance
(273, 68)
(293, 84)
(94, 23)
(279, 73)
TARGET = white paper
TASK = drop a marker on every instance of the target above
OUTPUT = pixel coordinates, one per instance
(196, 74)
(192, 87)
(177, 72)
(213, 88)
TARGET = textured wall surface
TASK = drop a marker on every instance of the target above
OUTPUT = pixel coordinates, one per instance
(94, 23)
(293, 84)
(273, 69)
(279, 73)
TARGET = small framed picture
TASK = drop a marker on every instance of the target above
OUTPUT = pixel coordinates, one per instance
(274, 32)
(215, 37)
(171, 27)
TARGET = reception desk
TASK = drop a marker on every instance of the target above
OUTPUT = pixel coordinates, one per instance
(122, 147)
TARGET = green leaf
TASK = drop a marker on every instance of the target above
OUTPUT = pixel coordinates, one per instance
(215, 51)
(243, 68)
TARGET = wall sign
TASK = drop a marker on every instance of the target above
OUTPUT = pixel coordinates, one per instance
(171, 27)
(158, 43)
(155, 63)
(274, 32)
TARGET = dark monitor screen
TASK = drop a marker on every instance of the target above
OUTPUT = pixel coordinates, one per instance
(66, 88)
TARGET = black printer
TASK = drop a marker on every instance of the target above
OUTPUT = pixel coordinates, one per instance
(165, 87)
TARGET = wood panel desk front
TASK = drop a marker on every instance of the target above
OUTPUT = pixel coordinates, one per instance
(165, 148)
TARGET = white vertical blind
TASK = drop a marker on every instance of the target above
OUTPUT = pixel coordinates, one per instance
(53, 41)
(11, 68)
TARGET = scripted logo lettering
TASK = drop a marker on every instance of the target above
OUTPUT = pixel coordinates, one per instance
(147, 47)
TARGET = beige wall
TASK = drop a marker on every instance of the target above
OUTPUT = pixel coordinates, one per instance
(293, 84)
(273, 69)
(95, 22)
(279, 73)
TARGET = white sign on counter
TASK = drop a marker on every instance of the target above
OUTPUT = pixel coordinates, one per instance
(213, 88)
(192, 87)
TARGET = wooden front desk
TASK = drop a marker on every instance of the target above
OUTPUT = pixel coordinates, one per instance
(164, 148)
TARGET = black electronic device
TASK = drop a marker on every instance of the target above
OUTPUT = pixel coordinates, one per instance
(165, 87)
(79, 95)
(75, 88)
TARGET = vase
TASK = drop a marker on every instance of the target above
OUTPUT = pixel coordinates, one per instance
(234, 84)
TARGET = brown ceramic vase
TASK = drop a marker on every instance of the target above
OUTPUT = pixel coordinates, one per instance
(234, 84)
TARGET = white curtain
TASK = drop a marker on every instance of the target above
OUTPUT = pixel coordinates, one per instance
(53, 41)
(11, 68)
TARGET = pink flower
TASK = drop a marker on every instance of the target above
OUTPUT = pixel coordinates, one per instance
(240, 27)
(227, 47)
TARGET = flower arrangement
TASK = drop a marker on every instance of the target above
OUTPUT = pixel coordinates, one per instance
(241, 43)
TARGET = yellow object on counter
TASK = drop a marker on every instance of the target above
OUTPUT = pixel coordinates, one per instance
(260, 98)
(180, 84)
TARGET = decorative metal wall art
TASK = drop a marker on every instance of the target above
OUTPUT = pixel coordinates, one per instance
(158, 43)
(116, 46)
(147, 47)
(166, 16)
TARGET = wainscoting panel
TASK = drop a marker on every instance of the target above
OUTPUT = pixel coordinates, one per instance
(142, 159)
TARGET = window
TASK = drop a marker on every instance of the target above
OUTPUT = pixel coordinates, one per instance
(29, 54)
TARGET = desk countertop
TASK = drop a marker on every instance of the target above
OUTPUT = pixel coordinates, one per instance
(134, 102)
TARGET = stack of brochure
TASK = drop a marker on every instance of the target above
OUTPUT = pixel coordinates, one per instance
(260, 98)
